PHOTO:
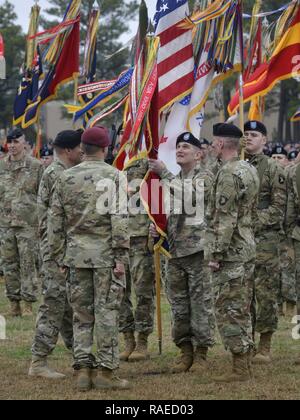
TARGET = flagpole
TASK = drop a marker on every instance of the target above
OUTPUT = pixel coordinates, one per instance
(76, 82)
(242, 122)
(241, 78)
(38, 140)
(158, 297)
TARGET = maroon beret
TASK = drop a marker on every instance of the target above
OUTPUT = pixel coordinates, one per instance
(96, 136)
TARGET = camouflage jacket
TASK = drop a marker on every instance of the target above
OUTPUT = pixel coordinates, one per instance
(293, 205)
(230, 212)
(18, 192)
(186, 221)
(214, 165)
(139, 221)
(49, 178)
(272, 197)
(88, 220)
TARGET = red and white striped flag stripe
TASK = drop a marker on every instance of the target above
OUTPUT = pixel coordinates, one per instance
(175, 56)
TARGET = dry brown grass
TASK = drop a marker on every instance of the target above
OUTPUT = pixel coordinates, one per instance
(279, 381)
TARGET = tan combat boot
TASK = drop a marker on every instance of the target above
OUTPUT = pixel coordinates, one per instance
(40, 369)
(141, 351)
(107, 379)
(129, 346)
(27, 309)
(200, 357)
(15, 309)
(263, 355)
(240, 370)
(186, 359)
(84, 380)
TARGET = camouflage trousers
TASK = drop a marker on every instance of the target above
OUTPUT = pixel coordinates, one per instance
(267, 282)
(20, 263)
(287, 271)
(233, 295)
(95, 297)
(189, 291)
(140, 276)
(297, 259)
(55, 314)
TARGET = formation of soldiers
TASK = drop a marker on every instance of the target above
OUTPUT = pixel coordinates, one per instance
(232, 268)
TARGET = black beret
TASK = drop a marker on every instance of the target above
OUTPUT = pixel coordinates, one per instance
(256, 126)
(204, 142)
(15, 134)
(46, 152)
(267, 151)
(188, 138)
(279, 150)
(227, 130)
(68, 139)
(293, 154)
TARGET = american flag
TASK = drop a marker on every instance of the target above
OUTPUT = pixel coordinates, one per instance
(175, 57)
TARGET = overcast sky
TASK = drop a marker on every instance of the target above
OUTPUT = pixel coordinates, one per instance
(22, 8)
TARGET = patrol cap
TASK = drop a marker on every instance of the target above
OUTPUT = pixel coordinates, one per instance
(68, 139)
(293, 154)
(96, 136)
(227, 130)
(15, 134)
(46, 152)
(279, 150)
(256, 126)
(188, 138)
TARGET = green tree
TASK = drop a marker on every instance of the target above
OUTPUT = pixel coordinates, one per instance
(14, 41)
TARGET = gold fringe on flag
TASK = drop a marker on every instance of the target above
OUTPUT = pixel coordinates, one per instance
(32, 30)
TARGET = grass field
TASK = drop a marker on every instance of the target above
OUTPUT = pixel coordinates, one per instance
(279, 381)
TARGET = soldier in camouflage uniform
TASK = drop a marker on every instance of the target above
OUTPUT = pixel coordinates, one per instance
(188, 284)
(139, 274)
(268, 224)
(55, 314)
(20, 179)
(88, 236)
(293, 223)
(1, 260)
(208, 159)
(230, 248)
(2, 156)
(205, 159)
(286, 251)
